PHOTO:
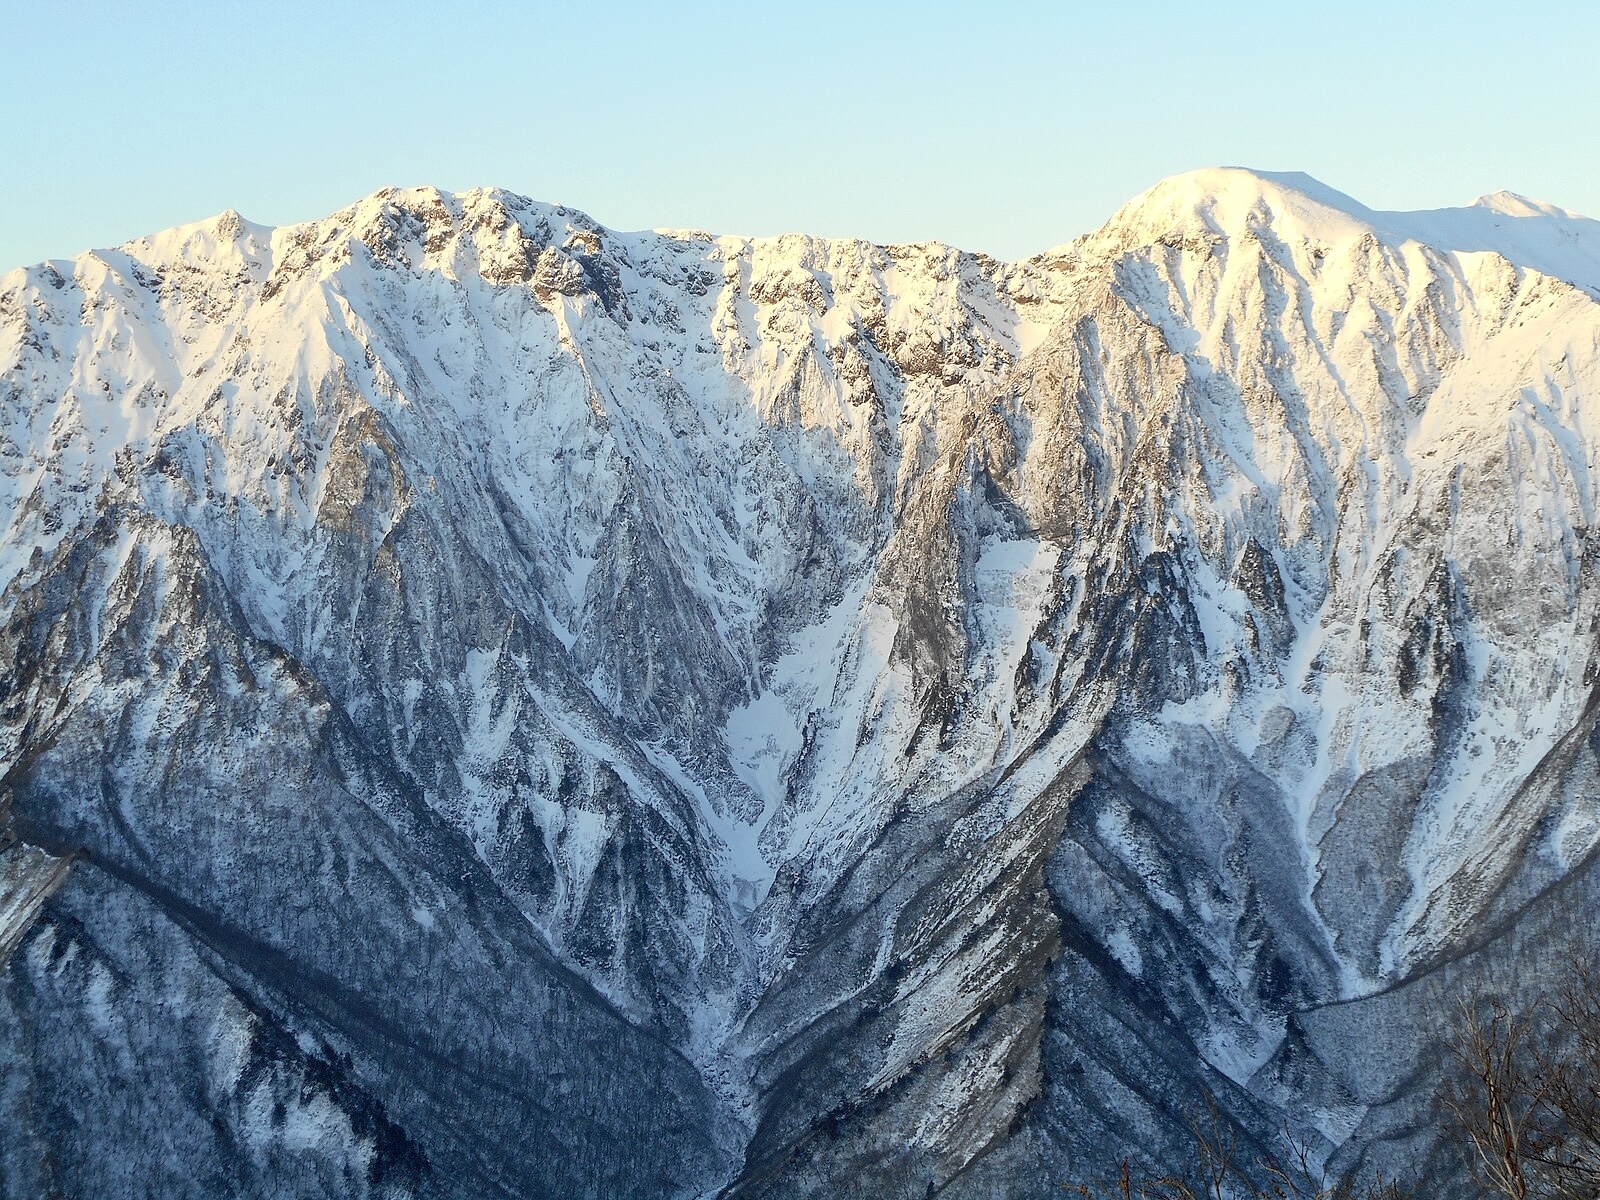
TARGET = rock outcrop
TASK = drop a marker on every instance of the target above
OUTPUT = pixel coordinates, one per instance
(545, 711)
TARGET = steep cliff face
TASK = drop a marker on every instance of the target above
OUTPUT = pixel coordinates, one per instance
(548, 711)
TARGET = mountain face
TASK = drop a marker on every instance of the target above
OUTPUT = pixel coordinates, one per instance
(494, 706)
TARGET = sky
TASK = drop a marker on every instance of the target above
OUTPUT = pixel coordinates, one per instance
(1006, 127)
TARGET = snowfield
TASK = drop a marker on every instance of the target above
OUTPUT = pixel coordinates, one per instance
(557, 711)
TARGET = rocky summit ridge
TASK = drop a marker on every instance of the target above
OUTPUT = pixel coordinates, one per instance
(495, 705)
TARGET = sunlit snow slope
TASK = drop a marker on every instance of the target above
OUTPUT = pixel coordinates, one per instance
(556, 712)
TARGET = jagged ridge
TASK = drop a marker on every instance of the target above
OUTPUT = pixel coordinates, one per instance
(934, 718)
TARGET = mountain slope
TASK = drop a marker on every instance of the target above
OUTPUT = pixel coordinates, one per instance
(936, 722)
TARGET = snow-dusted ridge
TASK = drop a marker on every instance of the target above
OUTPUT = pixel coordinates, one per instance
(929, 719)
(1528, 233)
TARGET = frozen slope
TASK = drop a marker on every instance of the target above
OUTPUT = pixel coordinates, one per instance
(937, 721)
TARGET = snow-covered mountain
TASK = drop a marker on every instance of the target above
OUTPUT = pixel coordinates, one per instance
(544, 711)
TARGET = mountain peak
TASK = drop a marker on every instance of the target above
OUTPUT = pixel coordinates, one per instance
(874, 696)
(1511, 204)
(1231, 202)
(1228, 201)
(226, 236)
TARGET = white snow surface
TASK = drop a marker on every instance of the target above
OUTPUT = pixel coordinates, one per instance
(717, 473)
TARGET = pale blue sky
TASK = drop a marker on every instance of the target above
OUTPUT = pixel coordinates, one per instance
(1007, 128)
